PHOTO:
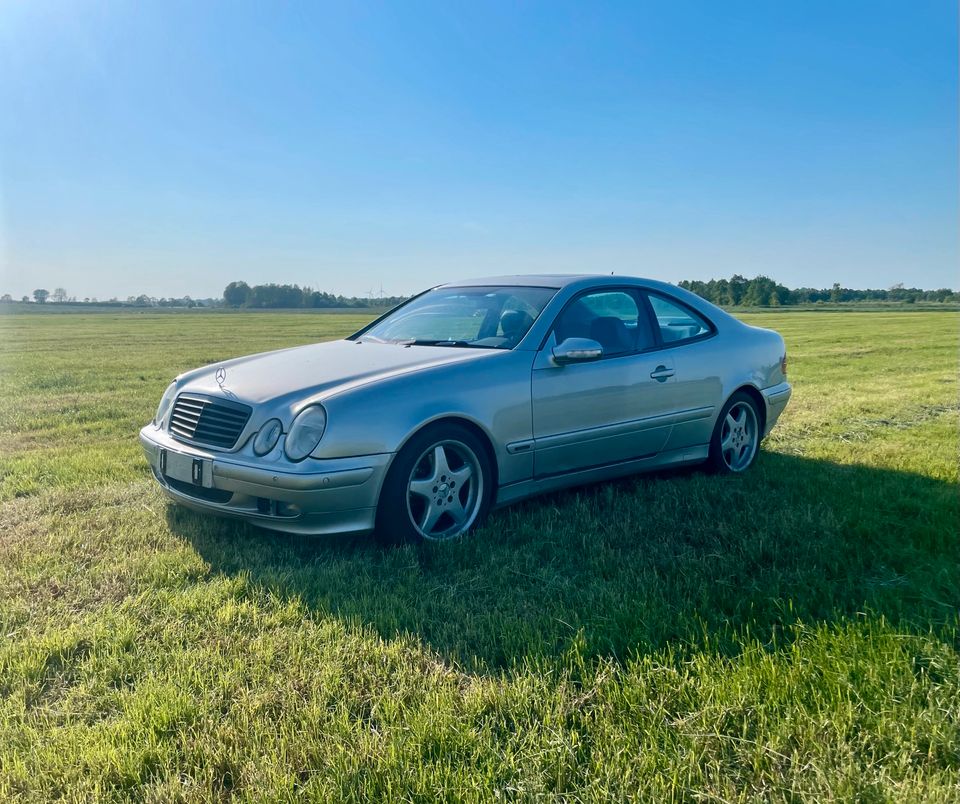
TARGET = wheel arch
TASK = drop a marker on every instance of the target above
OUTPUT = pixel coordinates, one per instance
(467, 424)
(754, 393)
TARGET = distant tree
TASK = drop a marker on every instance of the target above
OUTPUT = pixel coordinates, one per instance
(721, 292)
(59, 295)
(737, 289)
(6, 298)
(835, 292)
(25, 299)
(757, 292)
(236, 294)
(272, 296)
(40, 295)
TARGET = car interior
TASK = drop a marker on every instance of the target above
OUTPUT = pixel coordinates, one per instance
(617, 334)
(514, 325)
(618, 320)
(629, 330)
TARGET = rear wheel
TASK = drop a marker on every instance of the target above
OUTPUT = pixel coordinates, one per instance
(438, 487)
(736, 437)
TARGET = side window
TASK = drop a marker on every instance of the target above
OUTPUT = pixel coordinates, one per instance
(676, 321)
(611, 317)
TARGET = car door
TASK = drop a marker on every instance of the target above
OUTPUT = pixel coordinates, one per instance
(687, 337)
(613, 409)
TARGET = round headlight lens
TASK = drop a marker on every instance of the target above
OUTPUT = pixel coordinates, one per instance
(305, 433)
(268, 436)
(165, 402)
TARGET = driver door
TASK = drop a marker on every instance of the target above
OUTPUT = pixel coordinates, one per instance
(610, 410)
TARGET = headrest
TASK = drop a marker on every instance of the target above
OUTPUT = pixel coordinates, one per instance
(515, 322)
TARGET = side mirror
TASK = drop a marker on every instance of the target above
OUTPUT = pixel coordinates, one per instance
(577, 350)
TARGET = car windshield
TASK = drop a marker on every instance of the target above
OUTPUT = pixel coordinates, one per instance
(467, 317)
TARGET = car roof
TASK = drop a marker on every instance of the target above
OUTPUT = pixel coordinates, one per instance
(552, 280)
(519, 280)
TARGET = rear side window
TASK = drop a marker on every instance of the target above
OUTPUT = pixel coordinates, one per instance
(676, 321)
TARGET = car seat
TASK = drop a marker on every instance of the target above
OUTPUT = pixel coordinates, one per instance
(514, 325)
(612, 334)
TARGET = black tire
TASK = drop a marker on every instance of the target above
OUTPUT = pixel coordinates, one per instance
(738, 454)
(398, 505)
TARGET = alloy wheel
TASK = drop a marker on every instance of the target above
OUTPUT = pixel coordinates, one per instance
(739, 437)
(445, 490)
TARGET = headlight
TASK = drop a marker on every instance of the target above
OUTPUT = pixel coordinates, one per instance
(268, 436)
(165, 402)
(305, 433)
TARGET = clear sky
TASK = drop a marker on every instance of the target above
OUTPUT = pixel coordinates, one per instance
(169, 147)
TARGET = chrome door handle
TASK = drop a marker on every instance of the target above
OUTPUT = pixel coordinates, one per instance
(660, 373)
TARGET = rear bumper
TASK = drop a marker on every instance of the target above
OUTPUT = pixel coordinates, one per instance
(776, 398)
(316, 497)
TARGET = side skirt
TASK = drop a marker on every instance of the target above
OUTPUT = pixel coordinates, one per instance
(530, 488)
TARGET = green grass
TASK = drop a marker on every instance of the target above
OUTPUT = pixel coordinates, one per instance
(791, 634)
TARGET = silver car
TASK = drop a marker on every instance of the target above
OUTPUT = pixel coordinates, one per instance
(471, 395)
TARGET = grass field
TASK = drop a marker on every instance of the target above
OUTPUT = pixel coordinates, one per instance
(791, 634)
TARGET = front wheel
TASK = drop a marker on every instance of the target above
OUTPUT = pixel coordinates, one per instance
(438, 487)
(736, 438)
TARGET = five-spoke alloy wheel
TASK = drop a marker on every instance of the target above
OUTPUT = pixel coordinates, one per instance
(736, 438)
(445, 490)
(438, 487)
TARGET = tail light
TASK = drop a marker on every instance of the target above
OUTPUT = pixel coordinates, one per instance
(783, 364)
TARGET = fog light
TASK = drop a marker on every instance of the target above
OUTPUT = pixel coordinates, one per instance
(287, 509)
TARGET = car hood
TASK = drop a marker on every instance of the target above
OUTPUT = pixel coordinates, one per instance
(317, 370)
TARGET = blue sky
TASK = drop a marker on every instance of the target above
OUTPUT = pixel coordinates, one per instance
(171, 147)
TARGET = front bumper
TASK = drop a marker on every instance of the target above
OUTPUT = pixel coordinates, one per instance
(776, 398)
(317, 497)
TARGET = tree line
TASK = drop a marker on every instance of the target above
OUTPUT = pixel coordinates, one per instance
(738, 291)
(273, 296)
(761, 291)
(60, 296)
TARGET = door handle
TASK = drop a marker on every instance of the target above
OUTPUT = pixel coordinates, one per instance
(660, 373)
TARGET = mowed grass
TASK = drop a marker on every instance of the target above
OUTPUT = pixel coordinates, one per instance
(791, 634)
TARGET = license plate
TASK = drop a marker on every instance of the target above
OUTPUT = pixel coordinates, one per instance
(186, 468)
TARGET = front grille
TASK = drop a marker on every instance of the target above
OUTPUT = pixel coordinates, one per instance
(206, 420)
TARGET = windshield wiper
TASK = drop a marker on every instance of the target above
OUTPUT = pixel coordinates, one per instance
(422, 342)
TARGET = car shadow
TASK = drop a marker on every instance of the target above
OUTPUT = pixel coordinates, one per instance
(627, 567)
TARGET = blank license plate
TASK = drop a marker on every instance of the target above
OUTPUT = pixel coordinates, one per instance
(186, 468)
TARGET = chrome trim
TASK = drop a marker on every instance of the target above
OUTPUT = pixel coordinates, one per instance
(620, 428)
